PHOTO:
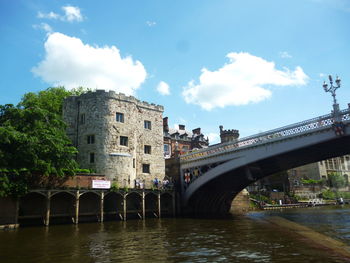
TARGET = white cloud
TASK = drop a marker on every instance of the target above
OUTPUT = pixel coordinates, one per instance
(151, 23)
(43, 26)
(71, 14)
(71, 63)
(285, 54)
(50, 15)
(163, 88)
(242, 81)
(213, 138)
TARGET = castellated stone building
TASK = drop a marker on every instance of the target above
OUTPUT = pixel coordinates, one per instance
(117, 135)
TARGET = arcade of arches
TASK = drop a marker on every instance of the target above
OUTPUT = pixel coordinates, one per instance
(74, 206)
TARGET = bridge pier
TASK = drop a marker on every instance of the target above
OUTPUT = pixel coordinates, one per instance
(159, 206)
(101, 207)
(143, 206)
(124, 206)
(77, 198)
(48, 209)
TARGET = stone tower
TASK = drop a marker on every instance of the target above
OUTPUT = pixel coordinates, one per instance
(228, 135)
(116, 135)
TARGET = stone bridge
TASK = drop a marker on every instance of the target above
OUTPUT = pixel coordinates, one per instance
(212, 177)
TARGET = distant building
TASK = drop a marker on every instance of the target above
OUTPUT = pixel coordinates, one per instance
(116, 135)
(180, 140)
(228, 135)
(292, 180)
(320, 170)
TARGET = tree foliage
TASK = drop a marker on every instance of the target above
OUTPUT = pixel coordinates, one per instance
(33, 142)
(311, 182)
(336, 180)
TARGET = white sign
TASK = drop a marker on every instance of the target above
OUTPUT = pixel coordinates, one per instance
(101, 184)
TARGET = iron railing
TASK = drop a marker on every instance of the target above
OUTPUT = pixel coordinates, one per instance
(292, 130)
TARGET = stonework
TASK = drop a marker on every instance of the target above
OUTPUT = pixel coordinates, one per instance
(228, 135)
(111, 131)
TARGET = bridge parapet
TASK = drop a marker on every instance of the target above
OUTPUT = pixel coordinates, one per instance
(279, 134)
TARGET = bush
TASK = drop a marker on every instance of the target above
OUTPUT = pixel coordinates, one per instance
(82, 171)
(328, 194)
(311, 181)
(336, 180)
(260, 197)
(345, 195)
(114, 187)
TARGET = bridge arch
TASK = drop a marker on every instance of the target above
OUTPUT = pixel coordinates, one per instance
(151, 204)
(89, 206)
(228, 168)
(32, 208)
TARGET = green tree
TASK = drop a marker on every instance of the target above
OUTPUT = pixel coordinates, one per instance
(34, 148)
(50, 99)
(336, 180)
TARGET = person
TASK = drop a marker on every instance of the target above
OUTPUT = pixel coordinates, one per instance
(165, 183)
(155, 182)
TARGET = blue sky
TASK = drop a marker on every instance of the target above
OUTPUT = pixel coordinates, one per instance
(246, 65)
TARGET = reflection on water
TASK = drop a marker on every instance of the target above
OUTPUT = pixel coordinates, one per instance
(243, 239)
(332, 221)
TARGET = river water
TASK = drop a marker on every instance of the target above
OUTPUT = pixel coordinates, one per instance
(240, 239)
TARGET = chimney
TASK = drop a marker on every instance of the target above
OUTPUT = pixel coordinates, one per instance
(196, 131)
(165, 124)
(181, 127)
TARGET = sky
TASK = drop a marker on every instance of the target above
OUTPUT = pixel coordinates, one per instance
(248, 65)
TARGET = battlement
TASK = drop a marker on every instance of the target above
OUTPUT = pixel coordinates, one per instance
(118, 96)
(228, 132)
(228, 135)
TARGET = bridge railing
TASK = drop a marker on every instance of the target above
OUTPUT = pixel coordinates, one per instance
(292, 130)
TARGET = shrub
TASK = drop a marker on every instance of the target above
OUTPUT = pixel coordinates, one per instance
(328, 194)
(114, 187)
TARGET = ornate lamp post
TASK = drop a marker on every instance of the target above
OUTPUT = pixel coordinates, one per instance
(332, 90)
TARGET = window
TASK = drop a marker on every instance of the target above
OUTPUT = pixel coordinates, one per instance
(92, 157)
(146, 168)
(123, 140)
(90, 139)
(330, 164)
(82, 118)
(119, 117)
(167, 150)
(347, 162)
(148, 149)
(148, 125)
(342, 162)
(133, 163)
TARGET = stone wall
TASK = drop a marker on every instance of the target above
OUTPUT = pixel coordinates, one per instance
(94, 114)
(241, 203)
(82, 181)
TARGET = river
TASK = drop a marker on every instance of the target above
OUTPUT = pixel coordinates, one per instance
(240, 239)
